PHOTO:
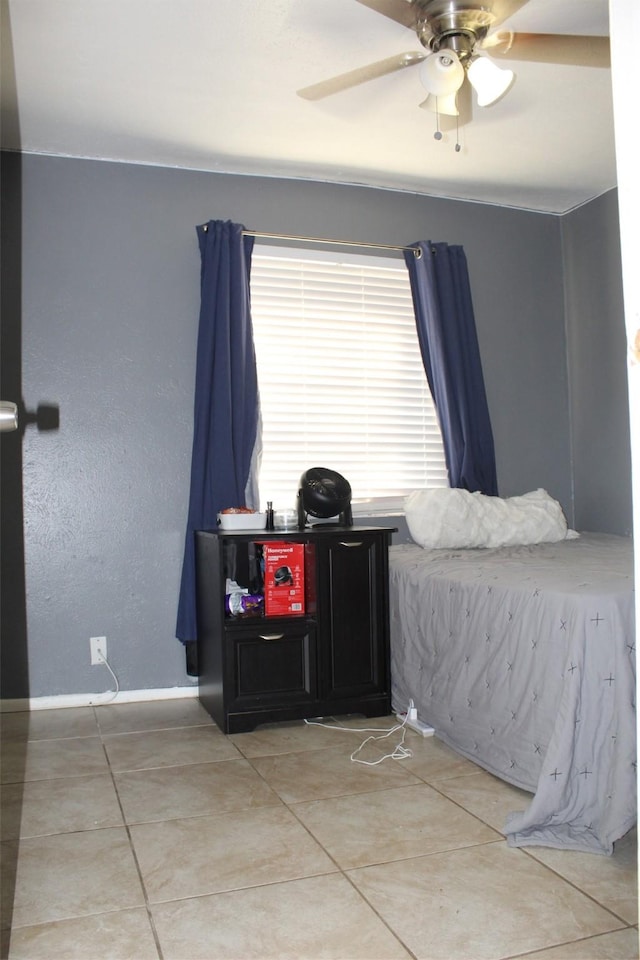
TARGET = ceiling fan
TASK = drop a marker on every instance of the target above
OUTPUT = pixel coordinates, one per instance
(455, 35)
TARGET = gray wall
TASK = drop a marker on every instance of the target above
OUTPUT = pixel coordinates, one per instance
(597, 345)
(109, 296)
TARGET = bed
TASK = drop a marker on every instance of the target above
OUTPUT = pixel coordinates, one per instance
(523, 660)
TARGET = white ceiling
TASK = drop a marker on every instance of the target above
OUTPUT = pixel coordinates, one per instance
(211, 85)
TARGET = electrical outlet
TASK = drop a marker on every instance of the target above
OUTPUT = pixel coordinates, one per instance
(98, 647)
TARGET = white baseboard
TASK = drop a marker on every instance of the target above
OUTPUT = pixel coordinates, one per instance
(96, 699)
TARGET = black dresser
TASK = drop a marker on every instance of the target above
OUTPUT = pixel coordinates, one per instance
(317, 644)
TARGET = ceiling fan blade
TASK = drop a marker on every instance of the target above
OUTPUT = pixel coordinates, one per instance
(402, 11)
(326, 88)
(550, 48)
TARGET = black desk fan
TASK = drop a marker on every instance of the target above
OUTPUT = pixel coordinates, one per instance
(324, 494)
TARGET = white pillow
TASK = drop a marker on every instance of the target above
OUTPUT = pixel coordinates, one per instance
(456, 518)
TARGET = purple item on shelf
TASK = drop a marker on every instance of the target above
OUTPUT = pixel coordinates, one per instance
(243, 604)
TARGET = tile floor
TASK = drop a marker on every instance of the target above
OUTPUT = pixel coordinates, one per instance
(140, 831)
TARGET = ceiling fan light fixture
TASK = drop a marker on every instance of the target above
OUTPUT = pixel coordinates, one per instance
(489, 81)
(442, 74)
(447, 105)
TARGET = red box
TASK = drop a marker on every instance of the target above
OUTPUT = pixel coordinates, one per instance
(283, 578)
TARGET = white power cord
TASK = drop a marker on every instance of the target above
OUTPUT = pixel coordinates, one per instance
(114, 694)
(399, 752)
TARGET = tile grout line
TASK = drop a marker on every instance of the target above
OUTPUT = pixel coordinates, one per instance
(344, 873)
(566, 943)
(339, 869)
(528, 853)
(131, 844)
(584, 893)
(500, 838)
(288, 807)
(291, 806)
(433, 785)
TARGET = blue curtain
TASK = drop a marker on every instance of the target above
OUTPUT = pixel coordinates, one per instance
(226, 409)
(449, 344)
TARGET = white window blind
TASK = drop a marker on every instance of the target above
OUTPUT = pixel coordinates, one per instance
(341, 379)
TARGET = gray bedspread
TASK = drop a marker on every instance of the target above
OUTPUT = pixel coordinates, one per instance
(523, 660)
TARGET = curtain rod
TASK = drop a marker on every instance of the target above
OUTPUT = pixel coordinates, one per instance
(343, 243)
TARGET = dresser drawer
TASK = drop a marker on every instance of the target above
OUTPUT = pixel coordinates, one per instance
(271, 663)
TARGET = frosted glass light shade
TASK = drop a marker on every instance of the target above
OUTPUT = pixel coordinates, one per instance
(441, 73)
(447, 105)
(489, 81)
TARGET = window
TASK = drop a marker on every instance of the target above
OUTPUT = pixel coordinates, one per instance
(341, 379)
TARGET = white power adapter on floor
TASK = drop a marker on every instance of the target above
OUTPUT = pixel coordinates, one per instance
(411, 720)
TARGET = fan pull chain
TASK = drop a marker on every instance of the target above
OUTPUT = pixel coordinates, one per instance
(438, 134)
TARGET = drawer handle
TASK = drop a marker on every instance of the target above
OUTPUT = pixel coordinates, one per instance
(271, 636)
(351, 543)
